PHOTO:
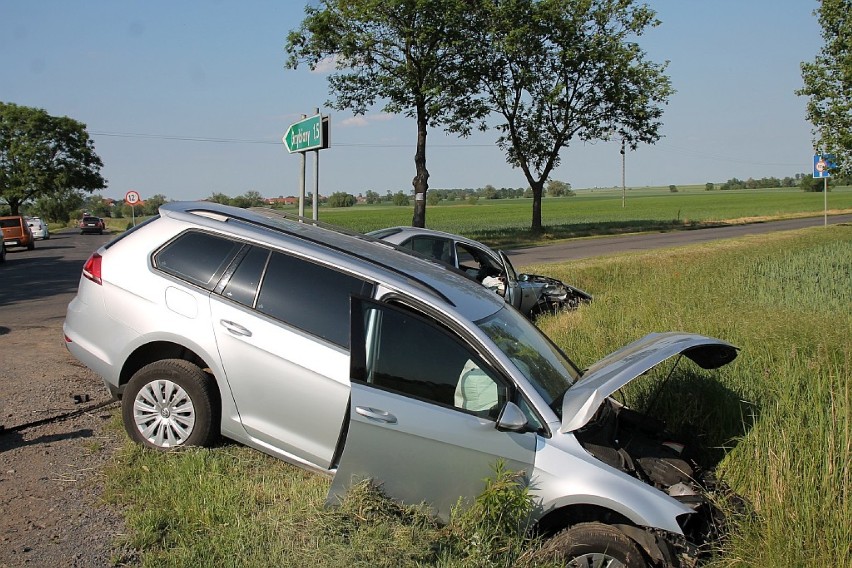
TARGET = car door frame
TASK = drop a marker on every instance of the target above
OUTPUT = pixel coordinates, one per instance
(416, 449)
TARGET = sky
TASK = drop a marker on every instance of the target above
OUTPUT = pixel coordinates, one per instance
(192, 98)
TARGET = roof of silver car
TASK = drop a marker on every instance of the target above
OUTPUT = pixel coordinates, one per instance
(398, 266)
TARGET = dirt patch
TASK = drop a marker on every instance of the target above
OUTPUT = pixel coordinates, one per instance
(54, 442)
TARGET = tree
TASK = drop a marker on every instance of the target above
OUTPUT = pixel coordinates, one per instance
(399, 198)
(248, 199)
(828, 82)
(709, 186)
(58, 207)
(221, 198)
(372, 197)
(44, 155)
(409, 54)
(151, 206)
(556, 188)
(559, 71)
(341, 199)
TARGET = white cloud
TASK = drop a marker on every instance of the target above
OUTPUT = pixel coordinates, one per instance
(366, 120)
(326, 65)
(355, 121)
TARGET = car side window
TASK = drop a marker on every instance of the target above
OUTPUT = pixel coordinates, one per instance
(309, 296)
(432, 247)
(199, 258)
(242, 286)
(413, 357)
(476, 263)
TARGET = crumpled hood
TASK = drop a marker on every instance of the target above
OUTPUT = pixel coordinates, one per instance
(582, 400)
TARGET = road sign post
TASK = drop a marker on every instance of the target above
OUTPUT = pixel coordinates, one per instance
(823, 164)
(132, 198)
(308, 134)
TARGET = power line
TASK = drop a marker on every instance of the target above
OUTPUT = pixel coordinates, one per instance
(268, 142)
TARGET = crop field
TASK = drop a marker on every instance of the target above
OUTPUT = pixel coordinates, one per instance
(506, 221)
(777, 422)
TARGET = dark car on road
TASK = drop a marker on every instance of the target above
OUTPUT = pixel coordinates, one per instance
(91, 225)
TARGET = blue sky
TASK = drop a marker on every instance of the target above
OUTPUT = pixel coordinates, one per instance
(190, 98)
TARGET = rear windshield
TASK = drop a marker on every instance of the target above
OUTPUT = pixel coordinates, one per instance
(91, 219)
(7, 223)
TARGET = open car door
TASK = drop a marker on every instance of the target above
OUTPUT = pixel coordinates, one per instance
(424, 412)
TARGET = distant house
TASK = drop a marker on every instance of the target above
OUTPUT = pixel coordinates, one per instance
(282, 200)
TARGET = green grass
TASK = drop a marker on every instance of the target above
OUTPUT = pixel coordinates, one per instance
(507, 221)
(776, 422)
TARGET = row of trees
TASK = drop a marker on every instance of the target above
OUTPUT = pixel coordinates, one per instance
(542, 73)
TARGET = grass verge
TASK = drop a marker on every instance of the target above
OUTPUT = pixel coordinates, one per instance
(776, 421)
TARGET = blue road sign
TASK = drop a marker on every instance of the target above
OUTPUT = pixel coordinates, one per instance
(823, 164)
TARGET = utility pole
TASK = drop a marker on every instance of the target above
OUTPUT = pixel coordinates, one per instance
(623, 168)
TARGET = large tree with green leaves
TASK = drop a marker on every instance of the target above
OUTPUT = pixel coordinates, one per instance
(828, 83)
(44, 156)
(563, 71)
(408, 55)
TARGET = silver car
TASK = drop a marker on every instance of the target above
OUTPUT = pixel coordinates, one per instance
(38, 228)
(353, 359)
(532, 294)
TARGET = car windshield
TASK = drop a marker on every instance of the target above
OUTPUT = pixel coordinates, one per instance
(546, 368)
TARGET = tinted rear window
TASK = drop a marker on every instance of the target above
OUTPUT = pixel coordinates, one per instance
(309, 296)
(7, 223)
(199, 258)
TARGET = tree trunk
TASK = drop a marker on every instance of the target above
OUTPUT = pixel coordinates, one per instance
(421, 180)
(537, 189)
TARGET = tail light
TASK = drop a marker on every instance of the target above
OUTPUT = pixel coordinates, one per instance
(92, 268)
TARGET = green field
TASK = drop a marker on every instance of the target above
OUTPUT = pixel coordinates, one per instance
(506, 221)
(776, 422)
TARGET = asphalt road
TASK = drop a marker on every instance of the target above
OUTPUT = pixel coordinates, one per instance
(36, 285)
(598, 246)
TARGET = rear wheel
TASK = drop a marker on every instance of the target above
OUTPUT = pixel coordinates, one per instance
(170, 403)
(588, 545)
(31, 245)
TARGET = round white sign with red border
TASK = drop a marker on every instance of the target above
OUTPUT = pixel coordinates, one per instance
(132, 197)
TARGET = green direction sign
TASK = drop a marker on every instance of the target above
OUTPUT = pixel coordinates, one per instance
(307, 134)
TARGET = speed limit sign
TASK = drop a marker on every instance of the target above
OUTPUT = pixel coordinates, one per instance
(131, 197)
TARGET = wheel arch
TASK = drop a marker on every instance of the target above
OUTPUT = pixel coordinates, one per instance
(157, 351)
(652, 544)
(568, 515)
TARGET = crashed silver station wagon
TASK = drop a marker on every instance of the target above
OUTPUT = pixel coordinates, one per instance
(531, 294)
(347, 357)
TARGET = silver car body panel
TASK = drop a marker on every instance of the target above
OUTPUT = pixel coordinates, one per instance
(617, 369)
(565, 474)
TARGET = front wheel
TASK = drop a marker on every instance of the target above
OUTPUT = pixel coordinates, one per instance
(595, 544)
(170, 403)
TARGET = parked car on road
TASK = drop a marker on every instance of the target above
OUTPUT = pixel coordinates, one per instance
(38, 228)
(90, 224)
(532, 294)
(350, 358)
(16, 232)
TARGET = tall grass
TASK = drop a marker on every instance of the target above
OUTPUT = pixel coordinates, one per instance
(778, 418)
(776, 422)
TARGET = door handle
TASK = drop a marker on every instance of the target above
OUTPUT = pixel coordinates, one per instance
(376, 414)
(235, 328)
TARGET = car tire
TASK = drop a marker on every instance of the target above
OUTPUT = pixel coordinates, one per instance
(31, 245)
(594, 544)
(171, 403)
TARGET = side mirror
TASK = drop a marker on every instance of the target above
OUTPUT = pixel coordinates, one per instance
(512, 419)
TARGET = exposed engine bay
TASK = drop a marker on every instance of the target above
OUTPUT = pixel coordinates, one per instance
(640, 446)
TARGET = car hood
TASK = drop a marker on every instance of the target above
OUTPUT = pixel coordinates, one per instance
(582, 400)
